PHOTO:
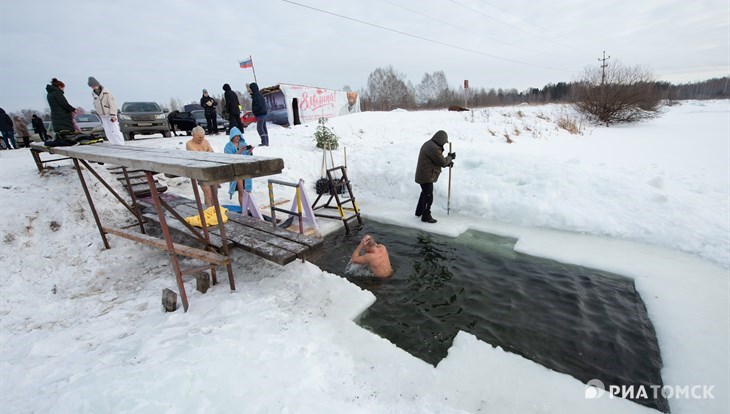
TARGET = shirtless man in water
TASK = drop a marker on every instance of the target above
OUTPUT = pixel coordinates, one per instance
(376, 257)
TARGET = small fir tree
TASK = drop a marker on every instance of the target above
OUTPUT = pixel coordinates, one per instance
(324, 136)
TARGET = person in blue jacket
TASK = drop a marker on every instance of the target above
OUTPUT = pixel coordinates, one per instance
(259, 109)
(237, 145)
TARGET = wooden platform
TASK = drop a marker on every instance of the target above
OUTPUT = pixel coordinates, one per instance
(247, 233)
(213, 168)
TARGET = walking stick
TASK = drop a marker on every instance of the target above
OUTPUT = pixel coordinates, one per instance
(448, 202)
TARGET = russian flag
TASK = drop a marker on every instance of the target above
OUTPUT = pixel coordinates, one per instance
(248, 63)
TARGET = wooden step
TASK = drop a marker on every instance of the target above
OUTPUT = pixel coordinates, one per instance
(181, 249)
(144, 189)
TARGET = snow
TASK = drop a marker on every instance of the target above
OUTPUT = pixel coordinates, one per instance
(82, 329)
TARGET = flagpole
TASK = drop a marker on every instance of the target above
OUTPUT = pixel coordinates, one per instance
(254, 69)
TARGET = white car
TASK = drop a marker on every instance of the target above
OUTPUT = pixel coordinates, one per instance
(91, 124)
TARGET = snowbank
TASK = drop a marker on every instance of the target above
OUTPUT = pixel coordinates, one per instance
(82, 328)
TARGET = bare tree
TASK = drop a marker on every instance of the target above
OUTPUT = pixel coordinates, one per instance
(388, 89)
(433, 91)
(619, 95)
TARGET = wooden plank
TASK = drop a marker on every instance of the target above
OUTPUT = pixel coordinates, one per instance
(144, 188)
(181, 249)
(270, 252)
(236, 237)
(211, 167)
(252, 222)
(275, 230)
(269, 246)
(180, 228)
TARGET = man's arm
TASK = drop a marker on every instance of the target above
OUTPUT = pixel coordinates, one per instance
(356, 258)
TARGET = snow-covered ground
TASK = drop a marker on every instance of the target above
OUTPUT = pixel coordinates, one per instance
(82, 330)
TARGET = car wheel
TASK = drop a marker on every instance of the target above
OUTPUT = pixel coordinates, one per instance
(129, 136)
(167, 134)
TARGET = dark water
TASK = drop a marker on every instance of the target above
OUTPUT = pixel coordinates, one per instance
(575, 320)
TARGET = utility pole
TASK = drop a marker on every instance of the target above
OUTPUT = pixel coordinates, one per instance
(603, 67)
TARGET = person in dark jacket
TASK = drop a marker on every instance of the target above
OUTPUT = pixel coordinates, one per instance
(211, 118)
(39, 127)
(233, 107)
(6, 128)
(61, 110)
(258, 107)
(430, 162)
(170, 121)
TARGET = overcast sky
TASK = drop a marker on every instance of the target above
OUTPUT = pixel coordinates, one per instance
(157, 50)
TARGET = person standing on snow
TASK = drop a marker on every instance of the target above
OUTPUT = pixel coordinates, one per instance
(259, 109)
(6, 128)
(233, 107)
(39, 127)
(21, 130)
(211, 118)
(106, 108)
(428, 169)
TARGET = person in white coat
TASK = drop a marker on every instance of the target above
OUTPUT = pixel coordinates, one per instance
(106, 108)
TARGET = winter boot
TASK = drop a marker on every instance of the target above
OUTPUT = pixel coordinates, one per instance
(427, 218)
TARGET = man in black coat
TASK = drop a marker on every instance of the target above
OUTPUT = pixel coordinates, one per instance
(211, 118)
(39, 127)
(232, 107)
(430, 162)
(259, 109)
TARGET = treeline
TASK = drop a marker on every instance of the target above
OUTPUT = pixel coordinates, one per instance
(388, 89)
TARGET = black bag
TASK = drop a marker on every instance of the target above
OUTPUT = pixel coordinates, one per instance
(322, 186)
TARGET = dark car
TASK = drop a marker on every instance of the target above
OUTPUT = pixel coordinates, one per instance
(200, 119)
(184, 122)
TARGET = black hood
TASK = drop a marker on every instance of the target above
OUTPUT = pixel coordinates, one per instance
(441, 138)
(226, 87)
(254, 87)
(51, 88)
(2, 111)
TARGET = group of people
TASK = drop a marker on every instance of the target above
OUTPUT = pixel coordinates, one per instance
(431, 159)
(233, 108)
(62, 113)
(10, 127)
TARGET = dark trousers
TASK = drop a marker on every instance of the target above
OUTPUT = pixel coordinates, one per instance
(261, 129)
(9, 138)
(425, 200)
(212, 120)
(234, 120)
(26, 142)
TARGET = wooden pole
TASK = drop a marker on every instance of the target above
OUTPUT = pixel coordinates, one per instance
(254, 69)
(448, 202)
